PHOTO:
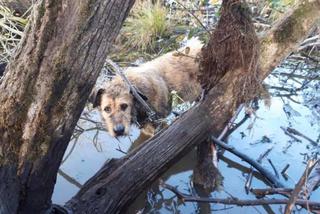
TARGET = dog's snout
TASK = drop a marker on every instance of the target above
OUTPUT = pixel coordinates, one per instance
(119, 129)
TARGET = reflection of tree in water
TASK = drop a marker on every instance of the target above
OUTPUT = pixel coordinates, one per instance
(296, 82)
(299, 78)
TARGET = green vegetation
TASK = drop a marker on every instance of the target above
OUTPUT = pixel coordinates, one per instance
(155, 27)
(147, 24)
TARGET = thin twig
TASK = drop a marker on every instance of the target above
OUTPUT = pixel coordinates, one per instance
(194, 16)
(238, 202)
(70, 179)
(274, 168)
(296, 132)
(295, 194)
(71, 150)
(247, 185)
(230, 124)
(260, 193)
(289, 134)
(312, 183)
(284, 171)
(266, 173)
(226, 132)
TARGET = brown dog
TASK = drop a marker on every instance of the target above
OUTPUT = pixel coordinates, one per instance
(176, 70)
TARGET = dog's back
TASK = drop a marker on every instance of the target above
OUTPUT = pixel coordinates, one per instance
(179, 69)
(176, 70)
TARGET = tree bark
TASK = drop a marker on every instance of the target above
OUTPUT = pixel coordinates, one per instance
(119, 182)
(44, 91)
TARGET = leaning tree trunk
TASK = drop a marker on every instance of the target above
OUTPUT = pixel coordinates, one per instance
(44, 91)
(121, 181)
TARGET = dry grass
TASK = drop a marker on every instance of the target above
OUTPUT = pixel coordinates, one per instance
(147, 23)
(11, 32)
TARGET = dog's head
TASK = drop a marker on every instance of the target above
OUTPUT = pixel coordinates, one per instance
(115, 103)
(117, 106)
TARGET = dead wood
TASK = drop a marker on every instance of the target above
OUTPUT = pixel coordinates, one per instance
(296, 132)
(290, 134)
(234, 201)
(266, 173)
(312, 183)
(247, 185)
(233, 46)
(260, 193)
(303, 189)
(112, 190)
(299, 186)
(44, 90)
(274, 168)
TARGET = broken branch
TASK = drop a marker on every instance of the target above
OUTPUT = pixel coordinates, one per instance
(233, 201)
(266, 173)
(260, 193)
(295, 193)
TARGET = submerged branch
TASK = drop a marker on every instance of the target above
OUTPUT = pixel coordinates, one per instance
(250, 175)
(312, 183)
(295, 193)
(296, 132)
(235, 201)
(266, 173)
(260, 193)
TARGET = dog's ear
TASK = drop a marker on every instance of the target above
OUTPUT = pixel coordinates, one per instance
(95, 97)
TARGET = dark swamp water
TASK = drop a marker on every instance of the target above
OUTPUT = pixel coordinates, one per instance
(294, 103)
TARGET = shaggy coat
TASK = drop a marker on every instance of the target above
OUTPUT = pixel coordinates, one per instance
(176, 71)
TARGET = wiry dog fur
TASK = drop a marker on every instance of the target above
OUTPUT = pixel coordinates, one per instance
(176, 70)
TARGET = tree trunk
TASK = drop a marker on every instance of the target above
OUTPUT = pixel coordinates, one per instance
(44, 91)
(121, 181)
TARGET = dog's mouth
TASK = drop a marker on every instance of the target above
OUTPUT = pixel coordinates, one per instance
(119, 130)
(120, 135)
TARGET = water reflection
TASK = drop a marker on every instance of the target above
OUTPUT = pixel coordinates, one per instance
(294, 103)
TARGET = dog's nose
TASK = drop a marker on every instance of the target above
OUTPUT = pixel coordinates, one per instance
(118, 129)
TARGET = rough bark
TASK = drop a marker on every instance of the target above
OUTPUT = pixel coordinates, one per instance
(233, 45)
(112, 188)
(206, 174)
(44, 91)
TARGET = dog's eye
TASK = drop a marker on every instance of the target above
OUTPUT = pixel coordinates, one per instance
(107, 109)
(123, 106)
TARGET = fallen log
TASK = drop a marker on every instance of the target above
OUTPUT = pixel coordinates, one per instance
(112, 189)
